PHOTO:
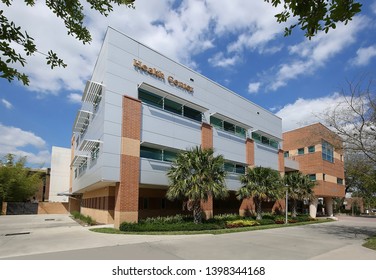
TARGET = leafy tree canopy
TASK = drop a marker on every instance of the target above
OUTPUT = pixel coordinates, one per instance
(316, 15)
(17, 183)
(70, 11)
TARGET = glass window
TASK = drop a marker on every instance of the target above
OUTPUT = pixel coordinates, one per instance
(152, 153)
(192, 114)
(301, 151)
(163, 203)
(169, 156)
(273, 143)
(340, 181)
(324, 177)
(95, 152)
(216, 122)
(264, 140)
(286, 154)
(172, 106)
(145, 203)
(229, 167)
(240, 169)
(239, 131)
(312, 177)
(256, 136)
(228, 127)
(150, 98)
(96, 102)
(311, 149)
(327, 151)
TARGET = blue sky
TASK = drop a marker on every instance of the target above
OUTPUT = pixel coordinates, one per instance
(235, 43)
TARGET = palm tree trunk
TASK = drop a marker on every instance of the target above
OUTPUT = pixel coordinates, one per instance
(258, 208)
(293, 208)
(197, 212)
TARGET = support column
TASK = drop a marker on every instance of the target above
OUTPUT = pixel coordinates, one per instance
(281, 162)
(313, 207)
(247, 206)
(127, 190)
(329, 206)
(207, 143)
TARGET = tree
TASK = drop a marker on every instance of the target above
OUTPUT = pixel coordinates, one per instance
(70, 11)
(195, 176)
(316, 15)
(354, 119)
(261, 184)
(299, 187)
(17, 183)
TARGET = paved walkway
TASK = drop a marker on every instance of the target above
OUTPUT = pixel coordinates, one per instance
(59, 237)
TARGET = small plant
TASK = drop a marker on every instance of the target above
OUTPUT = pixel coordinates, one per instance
(227, 217)
(86, 219)
(241, 223)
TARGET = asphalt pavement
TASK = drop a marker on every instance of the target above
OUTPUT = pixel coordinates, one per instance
(58, 237)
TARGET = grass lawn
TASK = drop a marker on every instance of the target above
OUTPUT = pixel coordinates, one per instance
(370, 243)
(214, 231)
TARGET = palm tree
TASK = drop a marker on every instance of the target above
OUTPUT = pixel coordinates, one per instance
(299, 187)
(261, 184)
(195, 176)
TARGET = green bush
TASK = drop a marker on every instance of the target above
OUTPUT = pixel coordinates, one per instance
(186, 226)
(227, 217)
(266, 221)
(86, 219)
(241, 223)
(166, 220)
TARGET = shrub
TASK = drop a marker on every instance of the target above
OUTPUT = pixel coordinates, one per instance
(86, 219)
(227, 217)
(165, 220)
(266, 221)
(241, 223)
(187, 226)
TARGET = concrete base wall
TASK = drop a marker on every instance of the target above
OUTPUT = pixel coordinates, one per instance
(100, 216)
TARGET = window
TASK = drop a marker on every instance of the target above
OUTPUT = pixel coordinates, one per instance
(163, 203)
(228, 127)
(312, 177)
(323, 177)
(169, 105)
(192, 114)
(145, 203)
(327, 151)
(311, 149)
(339, 181)
(95, 152)
(301, 151)
(150, 98)
(286, 154)
(158, 154)
(173, 107)
(265, 140)
(82, 167)
(75, 173)
(234, 168)
(96, 102)
(152, 153)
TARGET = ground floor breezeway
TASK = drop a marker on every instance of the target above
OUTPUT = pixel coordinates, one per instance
(101, 205)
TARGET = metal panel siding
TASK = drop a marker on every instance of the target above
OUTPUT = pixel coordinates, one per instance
(153, 172)
(266, 156)
(230, 146)
(232, 182)
(168, 129)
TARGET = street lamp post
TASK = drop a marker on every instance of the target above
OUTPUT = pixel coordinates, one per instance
(286, 208)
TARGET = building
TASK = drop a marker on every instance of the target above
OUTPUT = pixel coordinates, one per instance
(319, 152)
(60, 174)
(138, 110)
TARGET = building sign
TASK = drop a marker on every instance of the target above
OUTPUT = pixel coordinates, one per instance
(160, 75)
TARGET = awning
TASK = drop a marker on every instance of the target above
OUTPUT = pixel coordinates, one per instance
(82, 120)
(231, 120)
(88, 145)
(165, 94)
(92, 91)
(68, 193)
(78, 160)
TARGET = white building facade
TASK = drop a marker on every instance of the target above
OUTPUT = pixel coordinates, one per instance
(138, 110)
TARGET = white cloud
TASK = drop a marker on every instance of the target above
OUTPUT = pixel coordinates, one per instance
(254, 87)
(17, 141)
(6, 103)
(219, 60)
(74, 98)
(315, 53)
(307, 111)
(364, 56)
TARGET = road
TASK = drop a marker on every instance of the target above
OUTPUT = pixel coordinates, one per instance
(58, 237)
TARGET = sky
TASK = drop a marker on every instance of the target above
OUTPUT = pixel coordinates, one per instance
(237, 44)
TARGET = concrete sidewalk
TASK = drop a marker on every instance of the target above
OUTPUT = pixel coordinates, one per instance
(59, 237)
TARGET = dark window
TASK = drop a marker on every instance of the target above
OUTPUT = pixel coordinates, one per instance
(340, 181)
(150, 98)
(327, 151)
(146, 152)
(228, 127)
(312, 177)
(323, 176)
(311, 149)
(169, 156)
(216, 122)
(301, 151)
(192, 114)
(145, 203)
(163, 203)
(286, 154)
(173, 107)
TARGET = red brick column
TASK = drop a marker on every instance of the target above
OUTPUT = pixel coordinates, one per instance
(247, 206)
(127, 190)
(206, 143)
(281, 162)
